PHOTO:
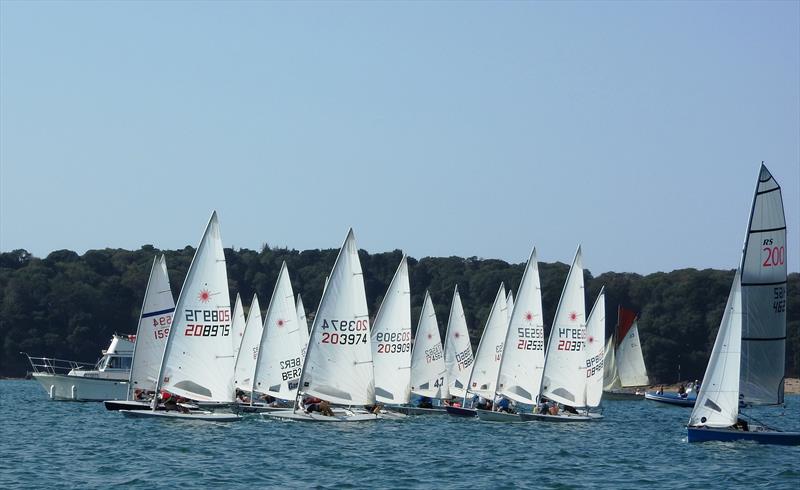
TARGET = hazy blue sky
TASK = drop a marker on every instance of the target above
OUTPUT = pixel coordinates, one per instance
(471, 129)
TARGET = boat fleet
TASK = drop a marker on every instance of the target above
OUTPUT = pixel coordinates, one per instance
(201, 359)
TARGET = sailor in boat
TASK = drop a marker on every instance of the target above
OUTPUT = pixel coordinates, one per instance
(504, 405)
(660, 390)
(313, 404)
(241, 396)
(570, 409)
(425, 402)
(173, 402)
(682, 391)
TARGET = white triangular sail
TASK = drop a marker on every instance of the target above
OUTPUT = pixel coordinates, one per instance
(764, 296)
(483, 380)
(510, 302)
(198, 358)
(522, 364)
(564, 378)
(280, 360)
(458, 349)
(338, 363)
(248, 352)
(154, 324)
(717, 403)
(391, 341)
(595, 340)
(237, 325)
(610, 374)
(427, 358)
(630, 361)
(303, 322)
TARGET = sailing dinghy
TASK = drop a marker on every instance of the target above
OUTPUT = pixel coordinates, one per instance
(277, 370)
(458, 356)
(154, 324)
(623, 366)
(747, 361)
(571, 359)
(338, 364)
(247, 356)
(483, 378)
(521, 367)
(391, 342)
(197, 363)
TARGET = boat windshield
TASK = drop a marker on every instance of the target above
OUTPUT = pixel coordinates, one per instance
(115, 362)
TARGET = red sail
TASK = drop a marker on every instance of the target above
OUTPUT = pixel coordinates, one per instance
(625, 321)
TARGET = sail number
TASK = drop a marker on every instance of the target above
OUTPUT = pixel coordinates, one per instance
(346, 325)
(594, 365)
(464, 358)
(198, 330)
(290, 368)
(207, 328)
(344, 338)
(161, 326)
(779, 300)
(434, 353)
(530, 338)
(570, 345)
(775, 256)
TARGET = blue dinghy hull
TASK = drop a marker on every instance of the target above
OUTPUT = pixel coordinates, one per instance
(672, 399)
(707, 434)
(462, 412)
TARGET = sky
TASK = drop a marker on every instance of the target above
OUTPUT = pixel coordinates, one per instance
(635, 129)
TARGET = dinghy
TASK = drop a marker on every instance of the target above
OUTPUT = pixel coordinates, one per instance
(672, 398)
(197, 363)
(457, 349)
(247, 353)
(624, 363)
(155, 320)
(428, 371)
(522, 364)
(338, 364)
(483, 378)
(574, 358)
(277, 370)
(747, 361)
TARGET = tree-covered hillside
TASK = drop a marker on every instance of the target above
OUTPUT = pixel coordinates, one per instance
(68, 305)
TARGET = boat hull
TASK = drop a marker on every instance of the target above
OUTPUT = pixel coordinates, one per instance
(126, 405)
(671, 399)
(561, 417)
(417, 410)
(82, 389)
(317, 417)
(622, 395)
(173, 415)
(708, 434)
(488, 416)
(462, 412)
(261, 408)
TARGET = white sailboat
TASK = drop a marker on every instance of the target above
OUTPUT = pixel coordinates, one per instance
(247, 356)
(521, 367)
(391, 341)
(198, 356)
(155, 321)
(457, 349)
(303, 322)
(747, 361)
(564, 376)
(338, 363)
(428, 371)
(280, 357)
(623, 365)
(483, 378)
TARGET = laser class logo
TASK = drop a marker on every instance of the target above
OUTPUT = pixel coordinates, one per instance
(204, 296)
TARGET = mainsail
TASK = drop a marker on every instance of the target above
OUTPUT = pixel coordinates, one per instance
(237, 325)
(303, 322)
(523, 356)
(624, 363)
(564, 378)
(717, 403)
(595, 338)
(427, 358)
(763, 270)
(198, 358)
(483, 380)
(279, 356)
(391, 340)
(248, 352)
(338, 362)
(457, 349)
(154, 324)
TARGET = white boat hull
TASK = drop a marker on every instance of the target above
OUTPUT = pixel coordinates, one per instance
(80, 388)
(173, 415)
(488, 416)
(301, 416)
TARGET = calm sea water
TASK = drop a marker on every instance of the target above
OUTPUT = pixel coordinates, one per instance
(639, 444)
